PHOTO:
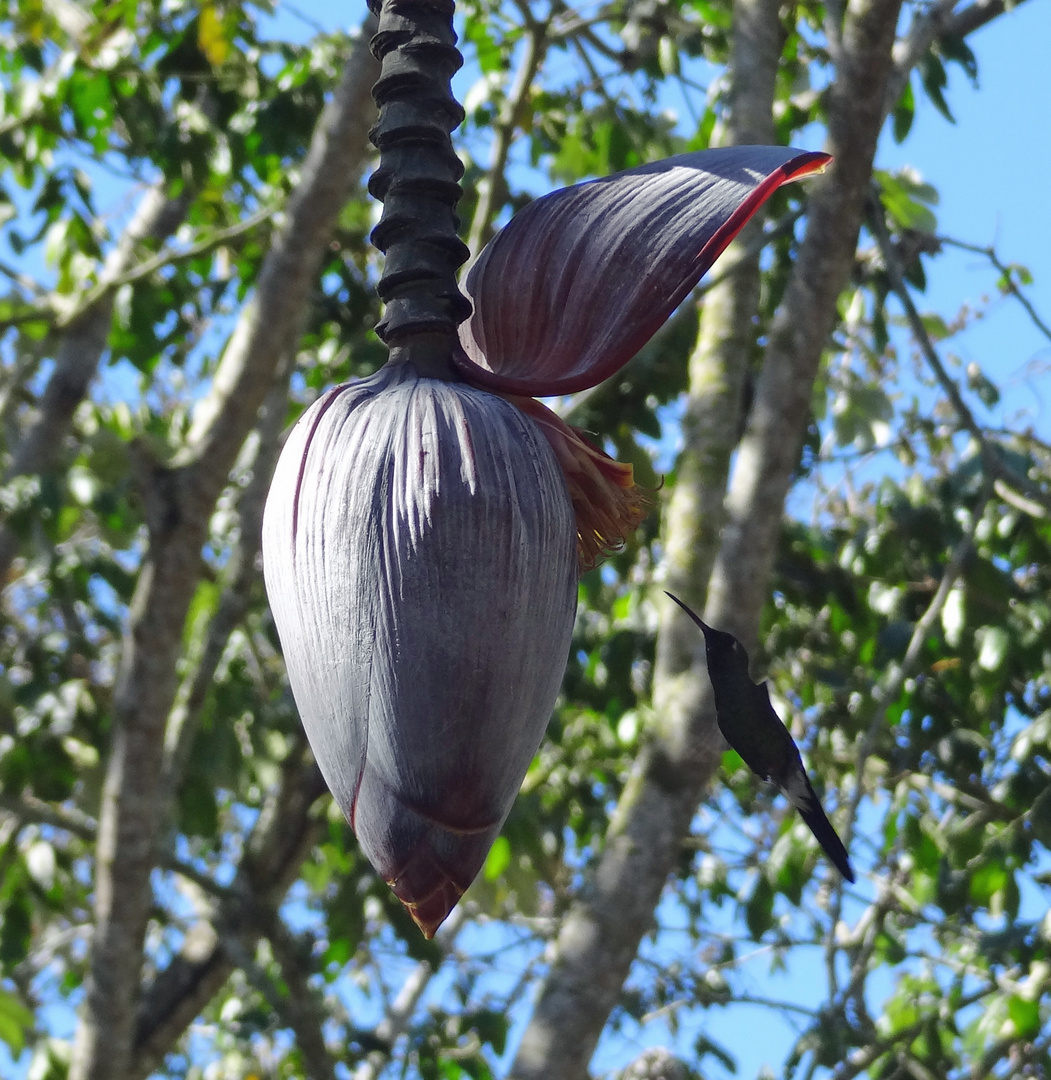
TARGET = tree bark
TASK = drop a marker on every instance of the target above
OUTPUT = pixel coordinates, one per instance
(179, 502)
(80, 352)
(600, 937)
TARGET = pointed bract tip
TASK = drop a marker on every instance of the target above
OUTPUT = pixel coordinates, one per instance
(429, 914)
(580, 279)
(427, 892)
(811, 164)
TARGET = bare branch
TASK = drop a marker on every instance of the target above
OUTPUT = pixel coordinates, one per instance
(399, 1015)
(491, 187)
(281, 839)
(71, 308)
(83, 826)
(928, 24)
(887, 692)
(979, 14)
(859, 1060)
(993, 458)
(241, 575)
(81, 350)
(178, 505)
(932, 22)
(1038, 510)
(303, 1008)
(600, 936)
(295, 1003)
(271, 321)
(61, 311)
(1007, 282)
(30, 808)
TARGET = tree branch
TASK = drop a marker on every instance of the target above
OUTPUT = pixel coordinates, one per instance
(719, 369)
(241, 576)
(398, 1017)
(73, 307)
(83, 826)
(993, 459)
(885, 694)
(1007, 283)
(303, 1008)
(281, 839)
(270, 323)
(890, 687)
(61, 311)
(928, 24)
(179, 502)
(600, 936)
(491, 187)
(81, 349)
(861, 1059)
(296, 1003)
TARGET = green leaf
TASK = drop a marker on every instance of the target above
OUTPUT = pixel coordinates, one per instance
(1025, 1016)
(908, 200)
(487, 51)
(904, 113)
(987, 880)
(16, 1021)
(957, 50)
(16, 928)
(932, 76)
(759, 910)
(498, 859)
(490, 1026)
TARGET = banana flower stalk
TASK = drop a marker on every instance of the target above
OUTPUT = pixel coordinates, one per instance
(423, 536)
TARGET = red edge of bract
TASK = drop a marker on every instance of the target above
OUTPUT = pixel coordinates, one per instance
(807, 164)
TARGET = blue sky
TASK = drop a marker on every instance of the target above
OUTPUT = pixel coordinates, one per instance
(991, 169)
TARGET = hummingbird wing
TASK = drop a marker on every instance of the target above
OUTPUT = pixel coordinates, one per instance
(751, 726)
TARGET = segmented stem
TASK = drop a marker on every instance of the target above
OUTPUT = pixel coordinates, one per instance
(418, 175)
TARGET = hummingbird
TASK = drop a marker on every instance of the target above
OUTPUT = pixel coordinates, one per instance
(749, 724)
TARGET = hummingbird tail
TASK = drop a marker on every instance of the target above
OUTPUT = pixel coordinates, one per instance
(810, 809)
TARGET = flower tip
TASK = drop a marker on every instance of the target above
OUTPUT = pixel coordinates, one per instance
(810, 164)
(426, 891)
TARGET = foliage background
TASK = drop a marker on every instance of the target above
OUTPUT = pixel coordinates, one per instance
(161, 824)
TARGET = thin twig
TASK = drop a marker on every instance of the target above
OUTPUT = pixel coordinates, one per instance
(62, 311)
(862, 1058)
(31, 809)
(399, 1013)
(928, 24)
(888, 692)
(239, 578)
(1008, 284)
(509, 122)
(992, 456)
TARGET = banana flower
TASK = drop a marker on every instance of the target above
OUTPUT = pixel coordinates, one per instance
(423, 536)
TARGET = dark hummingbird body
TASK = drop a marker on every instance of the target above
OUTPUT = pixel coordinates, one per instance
(749, 724)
